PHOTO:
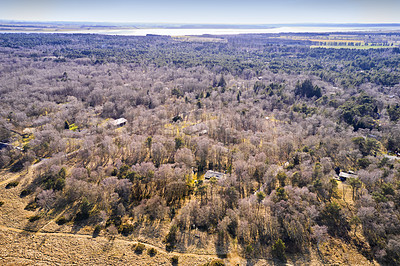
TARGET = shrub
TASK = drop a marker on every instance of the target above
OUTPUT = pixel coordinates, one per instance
(170, 238)
(114, 172)
(138, 248)
(175, 260)
(25, 193)
(249, 250)
(32, 206)
(34, 218)
(363, 163)
(59, 184)
(216, 262)
(61, 220)
(12, 184)
(278, 250)
(84, 212)
(18, 166)
(97, 230)
(1, 203)
(152, 252)
(126, 229)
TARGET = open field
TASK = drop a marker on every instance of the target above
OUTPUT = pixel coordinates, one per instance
(357, 47)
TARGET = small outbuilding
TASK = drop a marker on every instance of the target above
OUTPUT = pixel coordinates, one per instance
(209, 174)
(120, 122)
(344, 175)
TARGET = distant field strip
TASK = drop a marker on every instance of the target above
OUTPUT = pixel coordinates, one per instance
(363, 47)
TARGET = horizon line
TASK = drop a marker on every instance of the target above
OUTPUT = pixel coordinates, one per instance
(206, 23)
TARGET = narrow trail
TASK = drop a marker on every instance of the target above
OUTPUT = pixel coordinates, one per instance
(22, 173)
(118, 240)
(8, 180)
(54, 219)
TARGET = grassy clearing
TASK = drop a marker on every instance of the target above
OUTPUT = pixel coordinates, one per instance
(365, 47)
(198, 39)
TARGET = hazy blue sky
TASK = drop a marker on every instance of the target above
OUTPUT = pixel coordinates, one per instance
(204, 11)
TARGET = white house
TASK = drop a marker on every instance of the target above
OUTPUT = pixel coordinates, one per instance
(210, 174)
(120, 122)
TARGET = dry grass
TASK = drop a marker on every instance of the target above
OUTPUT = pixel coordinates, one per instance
(45, 248)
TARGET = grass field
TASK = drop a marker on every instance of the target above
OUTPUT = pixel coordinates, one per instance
(363, 47)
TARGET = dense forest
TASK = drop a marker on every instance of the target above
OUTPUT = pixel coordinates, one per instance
(279, 119)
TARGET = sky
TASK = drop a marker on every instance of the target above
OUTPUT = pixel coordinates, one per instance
(204, 11)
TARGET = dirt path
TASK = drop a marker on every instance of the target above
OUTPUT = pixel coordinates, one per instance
(8, 180)
(345, 193)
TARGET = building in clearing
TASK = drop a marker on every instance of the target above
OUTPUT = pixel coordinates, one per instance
(343, 175)
(120, 122)
(210, 174)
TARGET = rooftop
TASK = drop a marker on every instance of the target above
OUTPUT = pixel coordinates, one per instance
(211, 173)
(119, 122)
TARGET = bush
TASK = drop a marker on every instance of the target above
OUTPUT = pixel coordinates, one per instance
(278, 250)
(84, 212)
(61, 220)
(1, 203)
(216, 262)
(152, 252)
(249, 250)
(97, 230)
(175, 260)
(139, 248)
(59, 184)
(25, 193)
(18, 166)
(170, 238)
(32, 206)
(34, 218)
(126, 229)
(363, 162)
(12, 184)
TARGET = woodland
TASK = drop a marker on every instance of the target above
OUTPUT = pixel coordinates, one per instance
(278, 118)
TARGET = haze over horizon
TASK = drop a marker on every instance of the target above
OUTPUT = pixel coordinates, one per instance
(204, 12)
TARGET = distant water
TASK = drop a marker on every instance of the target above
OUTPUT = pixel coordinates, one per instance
(183, 32)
